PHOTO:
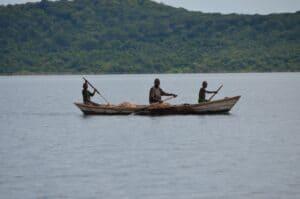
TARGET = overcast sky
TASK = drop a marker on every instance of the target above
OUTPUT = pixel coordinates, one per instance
(223, 6)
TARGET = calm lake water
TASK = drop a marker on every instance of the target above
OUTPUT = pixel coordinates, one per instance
(48, 149)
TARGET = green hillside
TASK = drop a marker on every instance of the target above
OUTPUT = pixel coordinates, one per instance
(141, 36)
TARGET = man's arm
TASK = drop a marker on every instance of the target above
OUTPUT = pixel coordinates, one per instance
(93, 93)
(163, 93)
(211, 91)
(152, 96)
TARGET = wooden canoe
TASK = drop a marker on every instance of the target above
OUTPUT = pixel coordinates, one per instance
(212, 107)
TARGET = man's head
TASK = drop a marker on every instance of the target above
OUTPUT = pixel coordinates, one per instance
(204, 84)
(85, 85)
(156, 82)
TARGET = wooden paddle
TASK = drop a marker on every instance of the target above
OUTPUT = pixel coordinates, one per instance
(211, 97)
(167, 99)
(96, 90)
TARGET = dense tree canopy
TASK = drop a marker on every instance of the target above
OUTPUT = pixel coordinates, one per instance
(141, 36)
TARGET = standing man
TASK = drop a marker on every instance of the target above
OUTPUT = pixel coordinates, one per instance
(156, 92)
(86, 94)
(203, 91)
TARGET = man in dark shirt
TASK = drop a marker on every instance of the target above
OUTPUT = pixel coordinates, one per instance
(86, 94)
(203, 91)
(156, 92)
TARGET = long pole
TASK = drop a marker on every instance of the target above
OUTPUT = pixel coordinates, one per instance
(96, 90)
(167, 99)
(142, 109)
(211, 97)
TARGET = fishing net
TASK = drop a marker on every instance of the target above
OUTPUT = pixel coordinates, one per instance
(127, 105)
(159, 106)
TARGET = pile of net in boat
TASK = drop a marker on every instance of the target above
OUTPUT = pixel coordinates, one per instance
(151, 106)
(127, 105)
(159, 106)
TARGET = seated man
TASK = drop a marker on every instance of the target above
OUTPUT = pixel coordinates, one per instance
(86, 94)
(203, 92)
(156, 92)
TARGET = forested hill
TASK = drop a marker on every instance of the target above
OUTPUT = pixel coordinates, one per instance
(141, 36)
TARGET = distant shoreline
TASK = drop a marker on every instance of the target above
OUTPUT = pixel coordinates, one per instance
(83, 74)
(142, 36)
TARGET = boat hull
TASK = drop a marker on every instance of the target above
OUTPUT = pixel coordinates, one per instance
(214, 107)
